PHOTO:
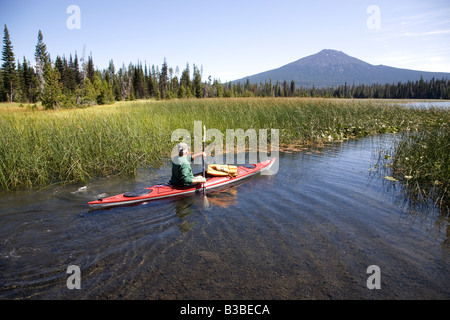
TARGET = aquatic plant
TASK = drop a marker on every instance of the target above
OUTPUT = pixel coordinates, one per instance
(420, 161)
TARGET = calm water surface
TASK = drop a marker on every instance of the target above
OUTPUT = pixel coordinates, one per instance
(308, 232)
(443, 104)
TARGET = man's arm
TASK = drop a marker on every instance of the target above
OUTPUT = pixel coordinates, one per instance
(198, 155)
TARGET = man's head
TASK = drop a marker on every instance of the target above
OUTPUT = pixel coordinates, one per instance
(183, 149)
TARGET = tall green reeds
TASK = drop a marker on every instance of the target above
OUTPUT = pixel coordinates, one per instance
(39, 148)
(420, 161)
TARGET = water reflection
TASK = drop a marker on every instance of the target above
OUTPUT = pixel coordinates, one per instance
(224, 198)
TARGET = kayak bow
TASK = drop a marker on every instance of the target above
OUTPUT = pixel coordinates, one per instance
(167, 190)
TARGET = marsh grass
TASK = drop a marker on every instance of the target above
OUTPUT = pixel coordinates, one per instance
(39, 148)
(420, 161)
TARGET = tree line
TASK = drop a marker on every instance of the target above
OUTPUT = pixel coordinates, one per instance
(420, 89)
(75, 82)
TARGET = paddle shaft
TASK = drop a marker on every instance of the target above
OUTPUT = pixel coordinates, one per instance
(203, 158)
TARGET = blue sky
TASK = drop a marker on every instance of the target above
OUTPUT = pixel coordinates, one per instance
(232, 39)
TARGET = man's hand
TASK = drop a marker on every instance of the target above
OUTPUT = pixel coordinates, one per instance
(199, 155)
(199, 180)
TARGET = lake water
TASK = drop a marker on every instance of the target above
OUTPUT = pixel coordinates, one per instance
(309, 232)
(427, 104)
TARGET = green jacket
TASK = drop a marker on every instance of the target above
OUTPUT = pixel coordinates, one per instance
(181, 171)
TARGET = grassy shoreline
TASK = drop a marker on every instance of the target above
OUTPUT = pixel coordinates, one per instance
(39, 148)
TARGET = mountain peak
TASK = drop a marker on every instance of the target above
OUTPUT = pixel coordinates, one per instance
(326, 58)
(329, 68)
(330, 51)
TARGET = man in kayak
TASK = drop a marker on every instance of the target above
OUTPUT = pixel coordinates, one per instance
(181, 167)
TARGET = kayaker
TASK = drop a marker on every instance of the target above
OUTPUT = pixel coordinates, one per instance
(181, 167)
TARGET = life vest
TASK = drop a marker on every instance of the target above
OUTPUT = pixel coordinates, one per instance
(222, 170)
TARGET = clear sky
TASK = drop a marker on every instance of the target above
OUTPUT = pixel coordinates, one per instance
(231, 39)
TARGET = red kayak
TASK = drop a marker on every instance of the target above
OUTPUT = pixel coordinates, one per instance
(167, 190)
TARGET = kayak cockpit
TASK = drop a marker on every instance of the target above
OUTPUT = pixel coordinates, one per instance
(137, 193)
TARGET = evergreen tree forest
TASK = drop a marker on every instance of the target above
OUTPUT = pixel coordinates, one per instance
(69, 82)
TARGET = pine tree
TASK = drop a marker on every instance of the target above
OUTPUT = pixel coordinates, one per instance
(31, 84)
(90, 68)
(8, 68)
(113, 80)
(292, 88)
(105, 91)
(69, 77)
(197, 83)
(111, 71)
(25, 80)
(163, 80)
(174, 85)
(152, 83)
(184, 91)
(20, 85)
(59, 65)
(217, 89)
(88, 94)
(52, 97)
(42, 59)
(1, 86)
(139, 82)
(76, 70)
